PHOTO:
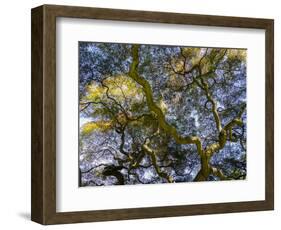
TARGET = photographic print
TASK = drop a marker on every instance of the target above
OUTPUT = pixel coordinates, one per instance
(151, 114)
(161, 105)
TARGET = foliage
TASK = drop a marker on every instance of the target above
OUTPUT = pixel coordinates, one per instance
(157, 114)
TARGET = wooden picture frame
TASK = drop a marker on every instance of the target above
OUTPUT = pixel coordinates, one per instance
(43, 188)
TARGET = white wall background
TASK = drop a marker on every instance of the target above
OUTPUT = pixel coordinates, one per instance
(15, 113)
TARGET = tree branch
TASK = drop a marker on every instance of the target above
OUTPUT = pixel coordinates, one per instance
(133, 73)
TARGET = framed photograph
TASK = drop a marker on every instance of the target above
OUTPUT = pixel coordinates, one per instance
(141, 114)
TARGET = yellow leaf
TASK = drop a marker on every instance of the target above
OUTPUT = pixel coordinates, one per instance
(93, 126)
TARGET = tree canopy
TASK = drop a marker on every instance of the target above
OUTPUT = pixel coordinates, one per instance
(161, 114)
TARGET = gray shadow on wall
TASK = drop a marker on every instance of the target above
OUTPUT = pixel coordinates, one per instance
(24, 215)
